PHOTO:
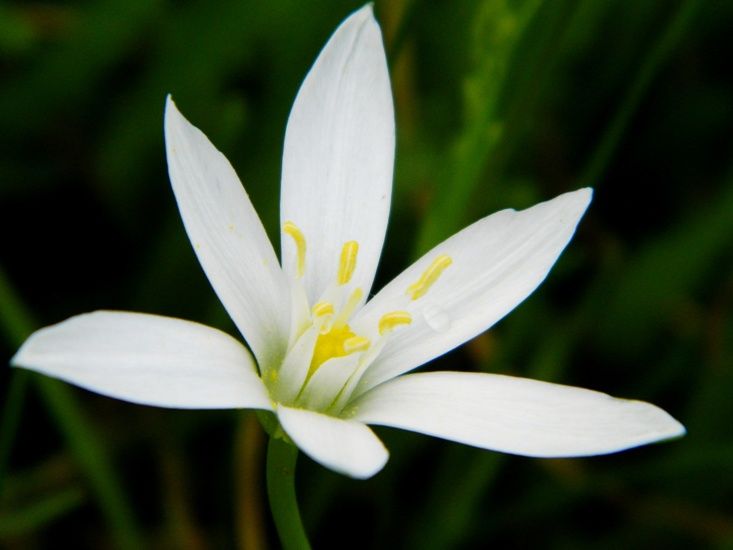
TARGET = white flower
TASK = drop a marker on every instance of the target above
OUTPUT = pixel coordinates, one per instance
(328, 361)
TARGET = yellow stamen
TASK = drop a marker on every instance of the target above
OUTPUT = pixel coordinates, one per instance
(297, 235)
(322, 308)
(420, 287)
(347, 264)
(393, 319)
(349, 307)
(356, 343)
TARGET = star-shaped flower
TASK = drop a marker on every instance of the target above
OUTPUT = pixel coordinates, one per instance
(329, 362)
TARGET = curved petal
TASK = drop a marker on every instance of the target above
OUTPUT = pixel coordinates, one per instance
(514, 415)
(228, 238)
(338, 156)
(496, 263)
(328, 382)
(147, 359)
(345, 446)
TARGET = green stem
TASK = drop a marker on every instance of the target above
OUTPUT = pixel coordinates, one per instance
(281, 458)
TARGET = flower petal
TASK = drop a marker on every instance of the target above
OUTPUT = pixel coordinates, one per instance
(345, 446)
(328, 382)
(147, 359)
(514, 415)
(496, 263)
(228, 238)
(338, 156)
(290, 377)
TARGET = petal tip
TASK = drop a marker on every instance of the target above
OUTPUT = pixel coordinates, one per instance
(171, 110)
(360, 18)
(582, 197)
(368, 470)
(674, 428)
(23, 357)
(656, 425)
(347, 447)
(17, 359)
(364, 12)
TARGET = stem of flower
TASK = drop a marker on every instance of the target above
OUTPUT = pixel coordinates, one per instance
(281, 458)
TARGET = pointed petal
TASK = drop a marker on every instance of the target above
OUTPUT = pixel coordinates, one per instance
(338, 156)
(345, 446)
(514, 415)
(496, 263)
(147, 359)
(228, 238)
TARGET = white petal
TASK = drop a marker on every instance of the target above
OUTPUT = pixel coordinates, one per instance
(147, 359)
(514, 415)
(228, 238)
(292, 373)
(328, 381)
(339, 154)
(497, 262)
(345, 446)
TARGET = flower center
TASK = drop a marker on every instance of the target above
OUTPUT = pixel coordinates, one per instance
(337, 342)
(336, 339)
(331, 315)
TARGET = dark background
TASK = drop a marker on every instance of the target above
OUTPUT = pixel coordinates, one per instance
(498, 104)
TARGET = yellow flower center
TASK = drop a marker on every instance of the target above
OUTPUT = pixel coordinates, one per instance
(336, 338)
(338, 342)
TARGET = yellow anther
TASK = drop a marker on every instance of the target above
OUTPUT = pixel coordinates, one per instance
(297, 235)
(349, 307)
(322, 308)
(347, 264)
(430, 275)
(356, 343)
(393, 319)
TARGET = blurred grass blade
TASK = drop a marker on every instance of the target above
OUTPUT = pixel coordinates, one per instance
(66, 74)
(15, 321)
(16, 324)
(499, 29)
(249, 447)
(639, 84)
(201, 43)
(16, 34)
(664, 273)
(88, 450)
(24, 520)
(92, 459)
(10, 419)
(452, 505)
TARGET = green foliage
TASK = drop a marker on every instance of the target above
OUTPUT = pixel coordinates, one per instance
(500, 103)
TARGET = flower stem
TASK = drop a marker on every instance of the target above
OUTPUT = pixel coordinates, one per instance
(281, 458)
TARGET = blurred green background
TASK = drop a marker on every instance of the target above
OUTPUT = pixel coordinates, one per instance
(499, 103)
